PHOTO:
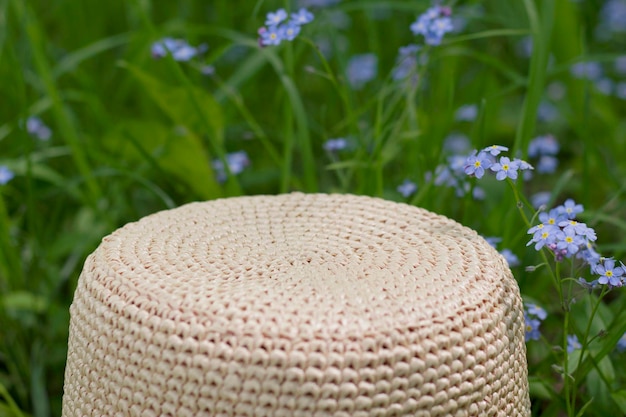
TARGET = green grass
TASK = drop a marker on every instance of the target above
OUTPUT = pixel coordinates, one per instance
(133, 135)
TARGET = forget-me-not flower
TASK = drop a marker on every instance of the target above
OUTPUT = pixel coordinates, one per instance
(505, 168)
(333, 145)
(609, 273)
(476, 164)
(361, 69)
(573, 343)
(178, 48)
(280, 29)
(433, 24)
(237, 162)
(37, 128)
(407, 188)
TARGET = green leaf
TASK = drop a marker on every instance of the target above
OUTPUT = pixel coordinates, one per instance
(178, 104)
(178, 156)
(620, 399)
(24, 301)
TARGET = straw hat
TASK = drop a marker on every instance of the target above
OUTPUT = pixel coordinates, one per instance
(296, 305)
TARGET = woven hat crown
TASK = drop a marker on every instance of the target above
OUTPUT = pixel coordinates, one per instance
(296, 305)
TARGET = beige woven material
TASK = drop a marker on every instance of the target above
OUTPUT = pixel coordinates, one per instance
(296, 305)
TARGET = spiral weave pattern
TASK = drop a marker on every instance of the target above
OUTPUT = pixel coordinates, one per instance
(296, 305)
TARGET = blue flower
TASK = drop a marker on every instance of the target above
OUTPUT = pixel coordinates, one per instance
(573, 343)
(543, 236)
(466, 113)
(535, 310)
(510, 257)
(361, 69)
(476, 164)
(178, 48)
(552, 217)
(570, 208)
(406, 62)
(567, 240)
(37, 128)
(547, 164)
(543, 145)
(609, 273)
(540, 199)
(333, 145)
(587, 70)
(273, 19)
(433, 25)
(532, 328)
(302, 17)
(407, 188)
(495, 150)
(290, 31)
(273, 35)
(237, 162)
(505, 168)
(278, 30)
(6, 175)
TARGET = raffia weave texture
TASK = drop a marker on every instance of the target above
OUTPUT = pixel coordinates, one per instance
(296, 305)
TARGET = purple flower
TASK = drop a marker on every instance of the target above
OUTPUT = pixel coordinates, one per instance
(476, 164)
(505, 168)
(6, 175)
(552, 217)
(407, 188)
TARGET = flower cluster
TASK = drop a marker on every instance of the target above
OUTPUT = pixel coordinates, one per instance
(237, 162)
(277, 28)
(562, 234)
(533, 316)
(433, 24)
(478, 162)
(178, 48)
